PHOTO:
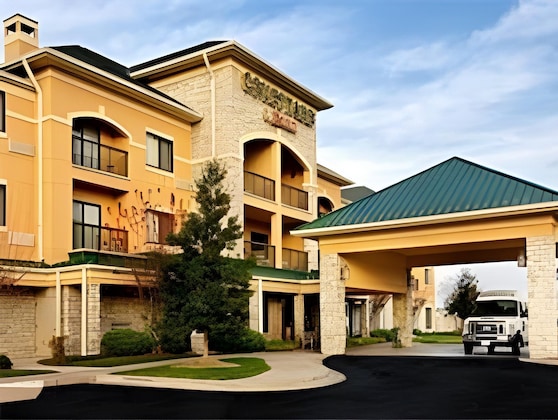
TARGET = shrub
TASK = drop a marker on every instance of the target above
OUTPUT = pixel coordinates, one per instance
(281, 345)
(126, 342)
(389, 335)
(243, 341)
(416, 331)
(5, 362)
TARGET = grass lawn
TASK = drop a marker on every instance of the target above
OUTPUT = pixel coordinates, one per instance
(438, 338)
(363, 341)
(248, 366)
(9, 373)
(101, 361)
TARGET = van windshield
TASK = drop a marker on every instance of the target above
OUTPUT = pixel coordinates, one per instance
(496, 308)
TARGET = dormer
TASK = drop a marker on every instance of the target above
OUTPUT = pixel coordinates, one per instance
(21, 35)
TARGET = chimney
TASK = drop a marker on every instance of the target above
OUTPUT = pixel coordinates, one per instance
(21, 35)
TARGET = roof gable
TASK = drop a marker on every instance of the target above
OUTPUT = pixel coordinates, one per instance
(175, 55)
(106, 64)
(453, 186)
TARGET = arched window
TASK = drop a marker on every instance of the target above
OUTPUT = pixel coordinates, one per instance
(324, 206)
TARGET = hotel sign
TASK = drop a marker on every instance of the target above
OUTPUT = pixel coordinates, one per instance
(277, 119)
(280, 102)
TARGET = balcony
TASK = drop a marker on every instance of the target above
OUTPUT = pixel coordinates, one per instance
(294, 197)
(263, 253)
(115, 240)
(295, 260)
(259, 185)
(98, 156)
(87, 256)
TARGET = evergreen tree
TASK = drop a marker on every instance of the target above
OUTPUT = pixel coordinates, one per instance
(461, 300)
(201, 289)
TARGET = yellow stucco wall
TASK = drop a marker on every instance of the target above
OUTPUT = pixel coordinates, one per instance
(64, 98)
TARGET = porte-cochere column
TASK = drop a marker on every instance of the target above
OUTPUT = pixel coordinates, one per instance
(541, 279)
(333, 332)
(403, 314)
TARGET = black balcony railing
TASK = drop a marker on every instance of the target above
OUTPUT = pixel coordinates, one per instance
(263, 253)
(294, 197)
(259, 185)
(115, 240)
(98, 156)
(295, 260)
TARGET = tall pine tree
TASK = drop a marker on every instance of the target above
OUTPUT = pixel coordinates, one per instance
(461, 300)
(201, 289)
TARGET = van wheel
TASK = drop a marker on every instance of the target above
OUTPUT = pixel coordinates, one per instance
(491, 349)
(468, 348)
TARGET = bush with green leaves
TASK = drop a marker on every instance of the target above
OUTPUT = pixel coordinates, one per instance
(126, 342)
(236, 341)
(5, 362)
(389, 335)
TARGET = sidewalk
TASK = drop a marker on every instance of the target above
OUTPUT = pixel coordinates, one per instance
(289, 371)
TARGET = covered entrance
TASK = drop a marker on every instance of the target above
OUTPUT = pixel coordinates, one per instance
(457, 212)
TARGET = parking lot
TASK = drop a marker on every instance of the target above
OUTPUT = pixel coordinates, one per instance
(420, 382)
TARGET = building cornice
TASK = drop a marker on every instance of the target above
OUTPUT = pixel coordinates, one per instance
(12, 79)
(232, 49)
(476, 215)
(45, 57)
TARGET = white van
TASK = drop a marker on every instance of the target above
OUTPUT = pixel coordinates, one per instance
(499, 320)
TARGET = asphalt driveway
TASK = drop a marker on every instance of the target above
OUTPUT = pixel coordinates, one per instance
(376, 387)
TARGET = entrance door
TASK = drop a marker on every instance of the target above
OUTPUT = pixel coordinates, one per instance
(275, 318)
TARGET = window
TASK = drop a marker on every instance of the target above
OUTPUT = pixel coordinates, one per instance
(428, 318)
(159, 152)
(158, 226)
(85, 144)
(2, 205)
(324, 206)
(87, 222)
(259, 241)
(426, 276)
(2, 111)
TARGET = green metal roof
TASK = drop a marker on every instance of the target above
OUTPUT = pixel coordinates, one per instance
(453, 186)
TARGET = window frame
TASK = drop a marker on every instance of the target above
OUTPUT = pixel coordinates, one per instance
(3, 199)
(161, 141)
(2, 111)
(80, 125)
(428, 318)
(83, 225)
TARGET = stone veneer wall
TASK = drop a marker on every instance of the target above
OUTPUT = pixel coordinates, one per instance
(93, 319)
(298, 318)
(403, 318)
(311, 246)
(17, 323)
(254, 307)
(237, 116)
(71, 319)
(124, 312)
(333, 331)
(542, 301)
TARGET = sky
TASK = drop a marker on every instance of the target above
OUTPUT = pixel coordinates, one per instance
(413, 82)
